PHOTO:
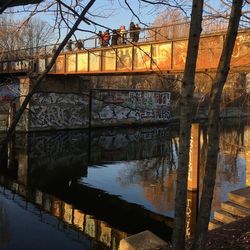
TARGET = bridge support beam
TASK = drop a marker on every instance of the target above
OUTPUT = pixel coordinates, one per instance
(247, 154)
(193, 180)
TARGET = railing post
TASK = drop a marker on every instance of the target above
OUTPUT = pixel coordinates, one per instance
(172, 55)
(116, 57)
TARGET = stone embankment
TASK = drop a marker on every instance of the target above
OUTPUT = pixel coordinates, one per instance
(237, 207)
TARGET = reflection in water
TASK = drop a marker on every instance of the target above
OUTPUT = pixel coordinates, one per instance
(62, 211)
(110, 183)
(231, 170)
(4, 225)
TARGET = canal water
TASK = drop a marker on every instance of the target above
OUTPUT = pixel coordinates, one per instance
(89, 189)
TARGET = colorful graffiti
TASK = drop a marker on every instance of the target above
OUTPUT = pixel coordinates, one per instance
(142, 57)
(161, 54)
(124, 58)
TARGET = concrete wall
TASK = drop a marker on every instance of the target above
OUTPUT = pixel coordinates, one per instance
(122, 107)
(58, 111)
(62, 102)
(48, 111)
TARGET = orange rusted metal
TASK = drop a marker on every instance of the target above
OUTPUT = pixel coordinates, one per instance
(146, 57)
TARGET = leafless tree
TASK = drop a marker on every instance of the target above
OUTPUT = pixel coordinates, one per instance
(213, 128)
(68, 15)
(16, 35)
(186, 104)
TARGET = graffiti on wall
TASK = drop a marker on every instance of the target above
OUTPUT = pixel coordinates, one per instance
(123, 106)
(9, 92)
(58, 111)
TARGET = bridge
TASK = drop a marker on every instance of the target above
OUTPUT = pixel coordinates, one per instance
(157, 50)
(120, 84)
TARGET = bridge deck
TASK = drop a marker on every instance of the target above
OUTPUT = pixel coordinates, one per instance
(164, 55)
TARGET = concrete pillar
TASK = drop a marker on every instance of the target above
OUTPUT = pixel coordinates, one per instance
(24, 88)
(191, 213)
(247, 153)
(193, 182)
(248, 166)
(193, 168)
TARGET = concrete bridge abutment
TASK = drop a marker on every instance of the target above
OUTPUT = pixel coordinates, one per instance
(65, 101)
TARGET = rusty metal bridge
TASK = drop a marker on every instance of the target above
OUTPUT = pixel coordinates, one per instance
(158, 49)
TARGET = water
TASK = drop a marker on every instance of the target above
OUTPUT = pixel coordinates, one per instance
(88, 190)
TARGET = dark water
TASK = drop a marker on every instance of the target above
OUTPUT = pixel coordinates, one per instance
(88, 190)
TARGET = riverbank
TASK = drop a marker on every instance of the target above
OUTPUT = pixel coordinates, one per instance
(233, 236)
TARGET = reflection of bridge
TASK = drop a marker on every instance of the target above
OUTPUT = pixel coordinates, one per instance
(96, 230)
(155, 54)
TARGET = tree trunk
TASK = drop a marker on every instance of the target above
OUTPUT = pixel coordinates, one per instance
(41, 77)
(213, 126)
(186, 103)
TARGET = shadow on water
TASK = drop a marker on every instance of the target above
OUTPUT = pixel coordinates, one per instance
(109, 183)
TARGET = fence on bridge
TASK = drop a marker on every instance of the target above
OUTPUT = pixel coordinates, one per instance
(158, 48)
(176, 30)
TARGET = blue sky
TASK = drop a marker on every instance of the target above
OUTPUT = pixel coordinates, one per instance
(113, 13)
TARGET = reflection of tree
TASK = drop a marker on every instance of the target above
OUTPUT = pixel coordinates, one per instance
(4, 225)
(230, 145)
(231, 141)
(156, 177)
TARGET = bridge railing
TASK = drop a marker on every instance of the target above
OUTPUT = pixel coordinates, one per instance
(26, 59)
(177, 30)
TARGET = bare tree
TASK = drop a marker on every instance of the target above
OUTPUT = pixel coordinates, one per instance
(213, 127)
(16, 35)
(171, 24)
(186, 104)
(42, 76)
(37, 33)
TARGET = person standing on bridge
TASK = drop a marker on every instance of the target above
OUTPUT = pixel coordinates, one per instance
(69, 45)
(137, 33)
(79, 45)
(123, 34)
(114, 38)
(106, 38)
(54, 49)
(100, 38)
(132, 32)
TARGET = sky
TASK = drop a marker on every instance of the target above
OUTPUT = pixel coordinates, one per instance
(114, 13)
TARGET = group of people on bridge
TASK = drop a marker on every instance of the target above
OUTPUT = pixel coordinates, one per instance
(107, 38)
(119, 36)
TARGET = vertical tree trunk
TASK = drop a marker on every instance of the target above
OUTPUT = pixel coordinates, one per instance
(41, 77)
(185, 125)
(213, 126)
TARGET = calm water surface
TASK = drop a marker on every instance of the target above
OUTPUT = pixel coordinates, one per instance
(88, 190)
